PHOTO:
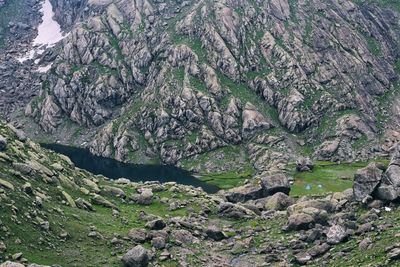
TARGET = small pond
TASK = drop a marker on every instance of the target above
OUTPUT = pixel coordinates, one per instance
(114, 169)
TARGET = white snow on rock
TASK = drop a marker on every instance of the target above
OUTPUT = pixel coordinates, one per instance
(45, 68)
(49, 33)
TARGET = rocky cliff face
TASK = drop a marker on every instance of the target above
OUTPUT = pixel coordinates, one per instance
(177, 79)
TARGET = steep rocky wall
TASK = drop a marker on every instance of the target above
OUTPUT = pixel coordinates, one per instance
(174, 80)
(67, 12)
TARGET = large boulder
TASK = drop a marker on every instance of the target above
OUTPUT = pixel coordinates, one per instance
(275, 183)
(389, 189)
(137, 235)
(136, 257)
(235, 211)
(320, 204)
(244, 193)
(144, 198)
(157, 224)
(305, 214)
(215, 233)
(113, 191)
(336, 234)
(300, 221)
(366, 180)
(278, 201)
(304, 164)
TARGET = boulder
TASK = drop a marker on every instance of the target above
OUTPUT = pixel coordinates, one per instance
(366, 180)
(136, 257)
(113, 191)
(320, 204)
(83, 204)
(158, 242)
(6, 184)
(300, 221)
(99, 200)
(157, 224)
(3, 247)
(336, 234)
(275, 183)
(304, 164)
(69, 199)
(302, 258)
(57, 166)
(182, 237)
(278, 201)
(22, 168)
(234, 211)
(137, 235)
(93, 187)
(366, 243)
(393, 254)
(144, 198)
(27, 188)
(3, 143)
(318, 250)
(11, 264)
(389, 189)
(214, 233)
(244, 193)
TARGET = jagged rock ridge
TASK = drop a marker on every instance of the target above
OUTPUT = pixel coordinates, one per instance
(177, 79)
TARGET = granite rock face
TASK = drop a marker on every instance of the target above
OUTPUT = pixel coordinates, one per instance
(172, 81)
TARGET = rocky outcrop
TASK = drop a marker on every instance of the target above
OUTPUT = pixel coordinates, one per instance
(377, 182)
(389, 188)
(151, 87)
(244, 193)
(275, 183)
(366, 180)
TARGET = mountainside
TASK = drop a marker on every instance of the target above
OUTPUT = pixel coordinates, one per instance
(53, 213)
(291, 107)
(249, 84)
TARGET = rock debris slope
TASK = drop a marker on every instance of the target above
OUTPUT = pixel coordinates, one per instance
(53, 213)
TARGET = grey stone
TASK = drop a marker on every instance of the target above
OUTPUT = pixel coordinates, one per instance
(136, 257)
(275, 183)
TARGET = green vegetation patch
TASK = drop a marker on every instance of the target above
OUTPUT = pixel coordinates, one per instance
(232, 158)
(230, 179)
(326, 177)
(374, 46)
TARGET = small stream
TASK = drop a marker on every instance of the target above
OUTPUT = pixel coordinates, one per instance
(114, 169)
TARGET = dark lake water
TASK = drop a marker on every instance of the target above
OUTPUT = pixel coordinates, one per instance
(114, 169)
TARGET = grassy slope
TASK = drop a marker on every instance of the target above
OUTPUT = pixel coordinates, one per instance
(46, 247)
(18, 219)
(331, 177)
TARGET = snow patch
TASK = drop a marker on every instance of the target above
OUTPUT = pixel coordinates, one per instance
(45, 68)
(49, 33)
